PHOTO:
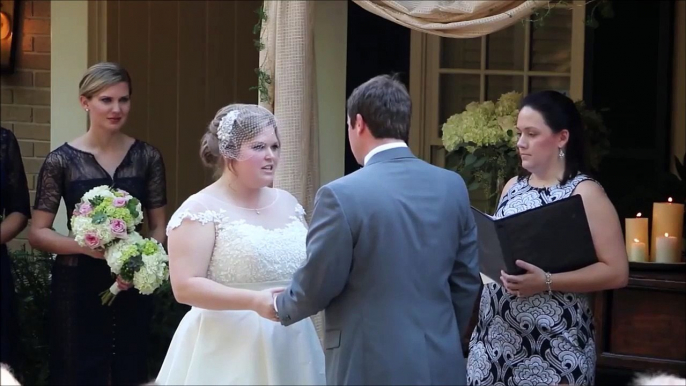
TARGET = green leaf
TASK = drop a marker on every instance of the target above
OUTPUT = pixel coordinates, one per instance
(480, 162)
(474, 185)
(470, 159)
(99, 218)
(97, 200)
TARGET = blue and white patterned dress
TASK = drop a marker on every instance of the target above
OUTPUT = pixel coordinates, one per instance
(537, 340)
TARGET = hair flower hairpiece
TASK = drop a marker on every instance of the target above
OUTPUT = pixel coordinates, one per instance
(226, 125)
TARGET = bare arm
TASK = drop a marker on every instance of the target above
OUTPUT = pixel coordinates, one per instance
(43, 238)
(612, 270)
(190, 250)
(157, 220)
(12, 225)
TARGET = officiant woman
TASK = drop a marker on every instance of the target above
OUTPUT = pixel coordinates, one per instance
(90, 343)
(538, 326)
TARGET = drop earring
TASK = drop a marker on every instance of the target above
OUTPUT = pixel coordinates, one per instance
(562, 153)
(87, 110)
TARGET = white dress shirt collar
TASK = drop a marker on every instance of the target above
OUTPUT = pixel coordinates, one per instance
(380, 148)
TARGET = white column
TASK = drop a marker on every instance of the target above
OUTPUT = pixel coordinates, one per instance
(69, 60)
(330, 47)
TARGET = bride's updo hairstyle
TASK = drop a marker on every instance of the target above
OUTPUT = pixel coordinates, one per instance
(232, 126)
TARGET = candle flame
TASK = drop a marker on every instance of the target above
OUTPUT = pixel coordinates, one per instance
(669, 200)
(666, 234)
(636, 240)
(638, 214)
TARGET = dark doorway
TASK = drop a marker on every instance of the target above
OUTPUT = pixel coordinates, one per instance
(376, 46)
(628, 71)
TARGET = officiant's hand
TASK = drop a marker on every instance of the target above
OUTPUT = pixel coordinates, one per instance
(263, 303)
(527, 284)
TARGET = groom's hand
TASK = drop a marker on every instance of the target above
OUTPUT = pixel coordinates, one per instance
(263, 303)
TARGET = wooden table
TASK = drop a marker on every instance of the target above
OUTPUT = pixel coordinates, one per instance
(642, 327)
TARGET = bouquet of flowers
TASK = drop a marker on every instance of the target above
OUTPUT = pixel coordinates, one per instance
(104, 216)
(137, 260)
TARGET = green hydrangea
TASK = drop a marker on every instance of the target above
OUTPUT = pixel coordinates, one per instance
(149, 247)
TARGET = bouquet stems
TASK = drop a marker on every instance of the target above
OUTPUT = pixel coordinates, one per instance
(107, 296)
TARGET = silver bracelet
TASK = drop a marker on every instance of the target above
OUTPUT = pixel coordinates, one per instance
(548, 282)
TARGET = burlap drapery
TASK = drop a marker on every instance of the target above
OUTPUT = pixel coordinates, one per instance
(288, 58)
(454, 19)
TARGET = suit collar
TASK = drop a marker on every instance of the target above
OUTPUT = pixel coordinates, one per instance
(390, 154)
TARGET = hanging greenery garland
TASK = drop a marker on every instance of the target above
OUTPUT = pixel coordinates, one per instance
(602, 7)
(263, 79)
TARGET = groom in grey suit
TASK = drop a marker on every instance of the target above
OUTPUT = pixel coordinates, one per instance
(391, 256)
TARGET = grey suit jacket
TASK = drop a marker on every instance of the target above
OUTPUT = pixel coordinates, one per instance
(392, 259)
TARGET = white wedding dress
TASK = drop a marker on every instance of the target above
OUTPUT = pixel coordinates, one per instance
(253, 249)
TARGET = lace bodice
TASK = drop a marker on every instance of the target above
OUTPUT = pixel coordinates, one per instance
(69, 173)
(249, 247)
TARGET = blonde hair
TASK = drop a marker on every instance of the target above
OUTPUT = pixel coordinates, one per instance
(243, 131)
(101, 76)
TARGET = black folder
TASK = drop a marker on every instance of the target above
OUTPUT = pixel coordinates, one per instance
(554, 237)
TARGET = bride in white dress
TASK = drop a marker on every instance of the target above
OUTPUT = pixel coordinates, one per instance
(229, 244)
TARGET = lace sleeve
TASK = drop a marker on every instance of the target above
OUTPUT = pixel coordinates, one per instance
(194, 210)
(156, 180)
(50, 186)
(18, 200)
(300, 213)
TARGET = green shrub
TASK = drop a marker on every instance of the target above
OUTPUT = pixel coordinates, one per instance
(31, 271)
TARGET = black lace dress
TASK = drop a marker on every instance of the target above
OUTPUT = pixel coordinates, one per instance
(14, 197)
(91, 343)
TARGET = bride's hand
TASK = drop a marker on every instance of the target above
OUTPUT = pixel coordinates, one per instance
(263, 303)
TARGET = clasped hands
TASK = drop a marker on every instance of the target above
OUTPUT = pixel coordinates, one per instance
(529, 283)
(99, 253)
(264, 303)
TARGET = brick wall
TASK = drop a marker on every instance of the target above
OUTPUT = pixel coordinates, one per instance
(25, 99)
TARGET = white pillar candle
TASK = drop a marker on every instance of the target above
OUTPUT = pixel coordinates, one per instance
(668, 217)
(635, 228)
(638, 251)
(666, 249)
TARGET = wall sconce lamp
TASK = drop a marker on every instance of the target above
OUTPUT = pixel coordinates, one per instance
(9, 16)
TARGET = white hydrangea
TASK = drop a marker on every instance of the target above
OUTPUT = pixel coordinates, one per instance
(102, 191)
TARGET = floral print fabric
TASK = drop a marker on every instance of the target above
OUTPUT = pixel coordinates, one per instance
(537, 340)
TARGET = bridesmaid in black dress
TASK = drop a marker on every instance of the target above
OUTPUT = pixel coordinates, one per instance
(15, 211)
(91, 343)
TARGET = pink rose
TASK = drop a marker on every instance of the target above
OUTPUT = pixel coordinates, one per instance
(85, 209)
(92, 240)
(118, 202)
(118, 228)
(123, 192)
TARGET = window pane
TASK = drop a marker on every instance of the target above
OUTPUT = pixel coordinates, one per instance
(456, 92)
(506, 48)
(551, 43)
(497, 85)
(461, 53)
(557, 83)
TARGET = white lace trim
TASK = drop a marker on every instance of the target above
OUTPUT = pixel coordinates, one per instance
(204, 217)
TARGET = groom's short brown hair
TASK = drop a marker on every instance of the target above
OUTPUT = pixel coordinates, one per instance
(385, 105)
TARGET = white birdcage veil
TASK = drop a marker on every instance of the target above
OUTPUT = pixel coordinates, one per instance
(239, 125)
